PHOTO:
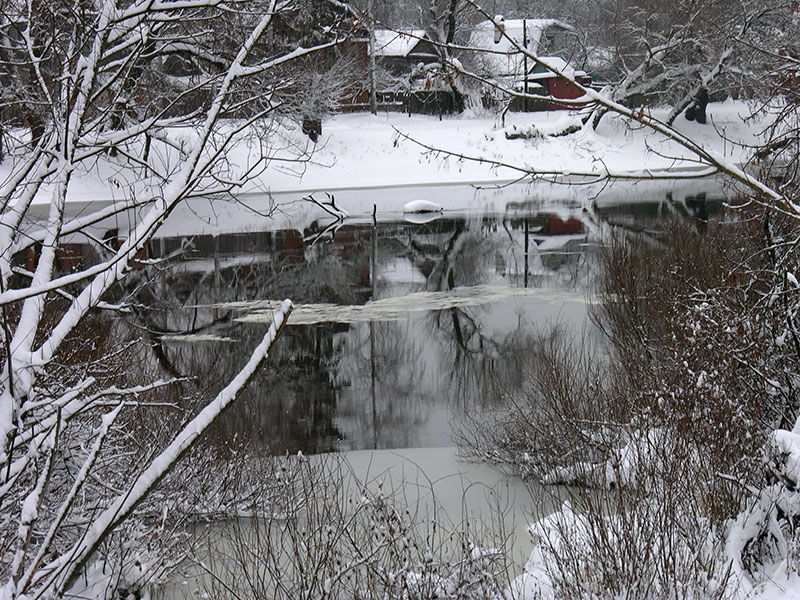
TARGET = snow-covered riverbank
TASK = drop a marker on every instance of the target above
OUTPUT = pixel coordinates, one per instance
(389, 149)
(362, 151)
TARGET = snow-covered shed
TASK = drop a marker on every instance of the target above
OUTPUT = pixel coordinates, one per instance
(502, 60)
(399, 51)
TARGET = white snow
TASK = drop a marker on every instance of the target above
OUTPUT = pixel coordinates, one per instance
(396, 43)
(508, 61)
(422, 206)
(391, 149)
(558, 63)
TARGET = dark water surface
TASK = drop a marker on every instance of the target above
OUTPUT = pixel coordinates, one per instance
(399, 328)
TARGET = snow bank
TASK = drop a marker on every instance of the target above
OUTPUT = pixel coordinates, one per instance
(362, 150)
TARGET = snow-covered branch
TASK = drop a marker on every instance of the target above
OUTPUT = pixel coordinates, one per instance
(66, 567)
(709, 157)
(149, 97)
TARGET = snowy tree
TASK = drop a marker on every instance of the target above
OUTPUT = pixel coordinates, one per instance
(150, 97)
(444, 23)
(704, 410)
(682, 52)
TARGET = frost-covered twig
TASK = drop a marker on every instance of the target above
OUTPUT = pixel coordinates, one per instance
(329, 207)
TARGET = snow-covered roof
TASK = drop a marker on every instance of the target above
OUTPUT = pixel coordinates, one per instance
(555, 62)
(510, 62)
(396, 43)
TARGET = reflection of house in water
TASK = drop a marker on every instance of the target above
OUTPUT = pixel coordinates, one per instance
(318, 261)
(226, 262)
(352, 244)
(555, 225)
(69, 257)
(349, 241)
(213, 267)
(549, 243)
(76, 256)
(289, 246)
(236, 259)
(219, 264)
(656, 215)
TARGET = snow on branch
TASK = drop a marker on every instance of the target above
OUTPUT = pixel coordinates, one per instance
(66, 567)
(708, 157)
(104, 105)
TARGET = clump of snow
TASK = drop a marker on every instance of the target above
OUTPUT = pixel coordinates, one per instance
(422, 206)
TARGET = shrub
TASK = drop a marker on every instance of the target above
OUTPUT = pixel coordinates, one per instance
(663, 431)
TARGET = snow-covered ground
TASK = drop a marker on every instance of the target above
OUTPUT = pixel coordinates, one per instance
(382, 161)
(374, 151)
(366, 161)
(389, 150)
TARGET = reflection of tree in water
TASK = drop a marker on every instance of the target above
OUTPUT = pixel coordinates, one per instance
(475, 358)
(653, 218)
(385, 355)
(383, 400)
(367, 384)
(482, 358)
(393, 373)
(290, 404)
(475, 353)
(370, 383)
(390, 378)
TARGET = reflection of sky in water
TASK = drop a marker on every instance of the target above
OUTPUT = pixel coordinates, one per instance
(425, 376)
(460, 490)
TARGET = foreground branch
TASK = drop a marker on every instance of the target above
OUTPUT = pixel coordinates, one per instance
(64, 569)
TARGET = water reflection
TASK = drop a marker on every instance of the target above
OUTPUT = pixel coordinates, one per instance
(400, 326)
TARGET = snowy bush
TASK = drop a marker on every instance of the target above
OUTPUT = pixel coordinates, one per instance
(680, 436)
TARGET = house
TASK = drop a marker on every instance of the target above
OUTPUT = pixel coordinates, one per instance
(413, 79)
(400, 51)
(500, 61)
(542, 82)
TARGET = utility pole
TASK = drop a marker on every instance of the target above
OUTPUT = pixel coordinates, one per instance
(373, 101)
(525, 64)
(372, 360)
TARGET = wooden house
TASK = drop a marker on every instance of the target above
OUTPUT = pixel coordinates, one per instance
(498, 59)
(400, 51)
